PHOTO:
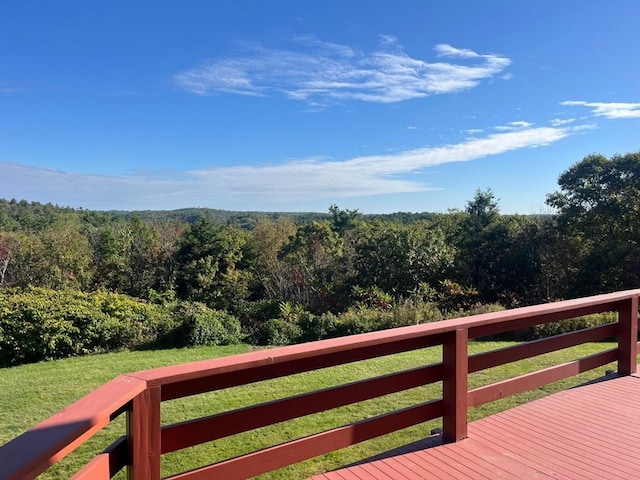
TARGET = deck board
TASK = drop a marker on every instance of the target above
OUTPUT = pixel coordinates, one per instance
(587, 432)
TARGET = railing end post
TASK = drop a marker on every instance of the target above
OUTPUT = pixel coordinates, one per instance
(628, 336)
(143, 434)
(454, 385)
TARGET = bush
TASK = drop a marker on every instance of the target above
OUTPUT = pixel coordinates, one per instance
(254, 314)
(372, 297)
(414, 311)
(453, 297)
(200, 325)
(39, 324)
(319, 327)
(277, 331)
(475, 310)
(362, 319)
(128, 322)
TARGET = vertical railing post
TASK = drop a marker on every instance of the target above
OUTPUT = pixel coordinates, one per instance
(454, 385)
(143, 435)
(628, 336)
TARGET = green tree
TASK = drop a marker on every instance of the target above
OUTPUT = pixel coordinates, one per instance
(559, 254)
(342, 220)
(497, 255)
(480, 241)
(212, 264)
(66, 257)
(314, 257)
(144, 268)
(9, 247)
(134, 257)
(109, 258)
(599, 207)
(58, 257)
(399, 258)
(271, 271)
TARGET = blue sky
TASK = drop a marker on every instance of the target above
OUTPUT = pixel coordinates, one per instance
(379, 106)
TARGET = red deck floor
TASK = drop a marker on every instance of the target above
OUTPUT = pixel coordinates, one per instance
(588, 432)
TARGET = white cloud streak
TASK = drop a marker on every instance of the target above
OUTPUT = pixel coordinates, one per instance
(514, 126)
(323, 73)
(556, 122)
(267, 187)
(608, 110)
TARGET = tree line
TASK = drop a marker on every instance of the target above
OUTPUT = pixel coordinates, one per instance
(261, 267)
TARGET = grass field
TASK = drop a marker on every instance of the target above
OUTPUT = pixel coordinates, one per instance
(31, 393)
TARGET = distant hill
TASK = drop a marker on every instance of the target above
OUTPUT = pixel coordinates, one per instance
(245, 220)
(25, 215)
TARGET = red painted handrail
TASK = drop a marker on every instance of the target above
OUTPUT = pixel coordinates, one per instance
(140, 394)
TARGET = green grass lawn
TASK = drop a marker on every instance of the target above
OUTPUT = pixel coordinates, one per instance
(31, 393)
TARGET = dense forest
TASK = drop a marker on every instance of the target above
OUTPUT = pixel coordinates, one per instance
(132, 279)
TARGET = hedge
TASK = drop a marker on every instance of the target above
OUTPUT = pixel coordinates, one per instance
(41, 324)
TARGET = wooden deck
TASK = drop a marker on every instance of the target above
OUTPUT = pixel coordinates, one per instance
(588, 432)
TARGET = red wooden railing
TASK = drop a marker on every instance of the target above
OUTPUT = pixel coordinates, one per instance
(139, 395)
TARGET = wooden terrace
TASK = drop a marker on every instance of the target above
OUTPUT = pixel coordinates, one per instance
(592, 431)
(588, 432)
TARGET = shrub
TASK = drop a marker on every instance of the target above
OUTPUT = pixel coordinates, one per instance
(30, 331)
(253, 314)
(362, 319)
(39, 324)
(200, 325)
(277, 331)
(319, 327)
(372, 297)
(128, 322)
(475, 310)
(414, 311)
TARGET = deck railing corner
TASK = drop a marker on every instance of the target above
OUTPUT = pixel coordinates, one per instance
(140, 395)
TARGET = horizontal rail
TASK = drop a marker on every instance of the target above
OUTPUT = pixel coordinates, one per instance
(543, 317)
(503, 356)
(522, 383)
(97, 469)
(226, 372)
(30, 454)
(363, 346)
(206, 429)
(140, 394)
(106, 464)
(302, 449)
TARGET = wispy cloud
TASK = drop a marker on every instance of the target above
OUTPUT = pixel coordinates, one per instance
(323, 73)
(556, 122)
(608, 110)
(444, 50)
(514, 126)
(266, 187)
